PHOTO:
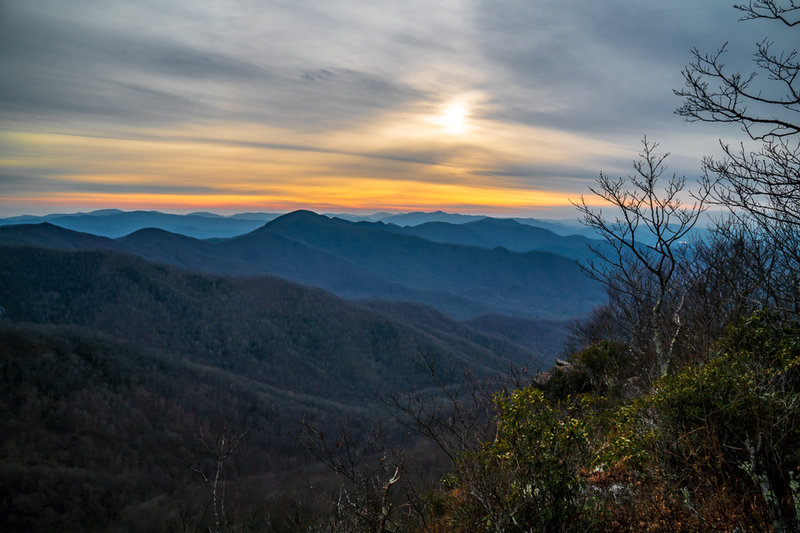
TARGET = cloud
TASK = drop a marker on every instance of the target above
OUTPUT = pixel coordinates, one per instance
(595, 67)
(254, 93)
(569, 64)
(26, 184)
(58, 66)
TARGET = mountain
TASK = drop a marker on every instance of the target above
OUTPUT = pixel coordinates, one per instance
(204, 225)
(262, 252)
(52, 236)
(542, 338)
(353, 217)
(533, 284)
(367, 261)
(36, 219)
(559, 227)
(272, 331)
(563, 227)
(420, 217)
(123, 361)
(114, 223)
(508, 233)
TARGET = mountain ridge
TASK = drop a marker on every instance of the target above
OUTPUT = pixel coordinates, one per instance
(362, 261)
(115, 223)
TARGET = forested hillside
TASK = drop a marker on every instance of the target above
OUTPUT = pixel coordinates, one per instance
(101, 434)
(115, 369)
(273, 331)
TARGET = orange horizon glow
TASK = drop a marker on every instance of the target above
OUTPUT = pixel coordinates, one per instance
(422, 158)
(386, 197)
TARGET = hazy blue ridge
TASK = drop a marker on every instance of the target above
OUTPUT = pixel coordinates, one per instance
(362, 261)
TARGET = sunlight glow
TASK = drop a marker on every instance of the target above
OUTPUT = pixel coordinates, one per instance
(454, 118)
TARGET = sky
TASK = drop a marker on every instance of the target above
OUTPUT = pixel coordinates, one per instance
(497, 107)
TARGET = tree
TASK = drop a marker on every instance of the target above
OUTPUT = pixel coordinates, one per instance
(212, 456)
(759, 184)
(644, 257)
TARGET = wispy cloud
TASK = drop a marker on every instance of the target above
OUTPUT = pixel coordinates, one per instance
(214, 100)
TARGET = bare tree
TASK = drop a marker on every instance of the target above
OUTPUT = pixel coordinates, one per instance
(219, 445)
(760, 185)
(367, 497)
(644, 258)
(765, 111)
(211, 454)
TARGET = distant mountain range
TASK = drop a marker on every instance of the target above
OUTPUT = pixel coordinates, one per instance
(367, 260)
(506, 233)
(114, 223)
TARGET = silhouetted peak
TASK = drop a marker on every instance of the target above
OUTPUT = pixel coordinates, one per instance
(151, 234)
(299, 216)
(51, 235)
(302, 218)
(44, 226)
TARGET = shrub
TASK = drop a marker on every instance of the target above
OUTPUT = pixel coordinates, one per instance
(734, 422)
(527, 478)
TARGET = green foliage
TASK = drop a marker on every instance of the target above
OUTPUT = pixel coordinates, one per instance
(603, 361)
(626, 437)
(528, 476)
(735, 420)
(565, 382)
(716, 445)
(748, 389)
(601, 368)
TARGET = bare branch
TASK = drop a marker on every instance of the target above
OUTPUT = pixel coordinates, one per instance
(770, 9)
(645, 243)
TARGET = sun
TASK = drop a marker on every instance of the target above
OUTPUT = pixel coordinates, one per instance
(454, 118)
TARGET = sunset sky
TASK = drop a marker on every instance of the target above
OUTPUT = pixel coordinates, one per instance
(480, 106)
